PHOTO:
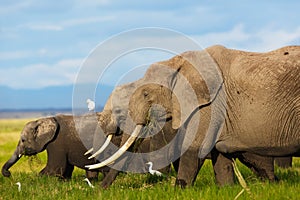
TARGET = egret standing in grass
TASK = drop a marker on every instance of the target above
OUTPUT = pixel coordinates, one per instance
(91, 104)
(152, 171)
(89, 183)
(19, 186)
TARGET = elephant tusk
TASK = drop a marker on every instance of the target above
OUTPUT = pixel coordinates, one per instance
(89, 151)
(120, 152)
(106, 143)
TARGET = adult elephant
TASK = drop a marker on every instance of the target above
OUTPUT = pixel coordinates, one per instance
(262, 166)
(159, 136)
(246, 102)
(65, 138)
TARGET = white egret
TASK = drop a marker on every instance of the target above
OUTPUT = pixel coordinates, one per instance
(152, 171)
(89, 183)
(19, 186)
(91, 104)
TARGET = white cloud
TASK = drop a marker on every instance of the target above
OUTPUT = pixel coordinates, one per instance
(271, 39)
(11, 55)
(81, 21)
(238, 37)
(90, 3)
(41, 75)
(64, 24)
(14, 7)
(235, 35)
(44, 27)
(15, 55)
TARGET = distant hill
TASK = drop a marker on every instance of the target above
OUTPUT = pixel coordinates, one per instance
(31, 113)
(49, 98)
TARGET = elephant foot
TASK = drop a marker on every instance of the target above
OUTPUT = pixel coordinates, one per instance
(59, 175)
(44, 172)
(283, 162)
(109, 178)
(264, 176)
(181, 183)
(107, 181)
(105, 184)
(223, 169)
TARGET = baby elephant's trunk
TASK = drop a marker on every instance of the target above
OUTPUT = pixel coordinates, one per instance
(13, 159)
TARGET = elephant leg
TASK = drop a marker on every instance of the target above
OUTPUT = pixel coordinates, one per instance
(68, 171)
(189, 166)
(176, 165)
(109, 178)
(263, 166)
(104, 174)
(284, 162)
(104, 170)
(51, 170)
(92, 175)
(56, 165)
(223, 168)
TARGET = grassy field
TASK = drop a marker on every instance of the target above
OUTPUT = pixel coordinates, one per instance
(129, 186)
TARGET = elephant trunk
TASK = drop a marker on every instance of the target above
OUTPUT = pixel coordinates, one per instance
(13, 159)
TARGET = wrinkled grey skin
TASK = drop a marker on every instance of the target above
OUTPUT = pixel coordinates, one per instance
(61, 139)
(259, 91)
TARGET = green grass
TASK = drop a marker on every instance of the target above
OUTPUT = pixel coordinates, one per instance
(129, 186)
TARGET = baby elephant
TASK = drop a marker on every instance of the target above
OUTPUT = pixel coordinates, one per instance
(65, 138)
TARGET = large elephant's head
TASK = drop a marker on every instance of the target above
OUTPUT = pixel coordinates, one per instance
(113, 118)
(34, 138)
(173, 90)
(103, 135)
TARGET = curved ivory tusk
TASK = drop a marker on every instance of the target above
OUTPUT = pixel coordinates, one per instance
(106, 143)
(120, 152)
(89, 151)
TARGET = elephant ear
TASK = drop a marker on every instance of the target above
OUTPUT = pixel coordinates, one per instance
(196, 83)
(45, 130)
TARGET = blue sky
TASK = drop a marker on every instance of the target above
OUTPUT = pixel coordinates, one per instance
(43, 43)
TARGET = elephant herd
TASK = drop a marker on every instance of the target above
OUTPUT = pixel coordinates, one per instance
(218, 103)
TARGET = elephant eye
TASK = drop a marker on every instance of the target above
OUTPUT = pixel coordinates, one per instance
(117, 111)
(146, 93)
(23, 139)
